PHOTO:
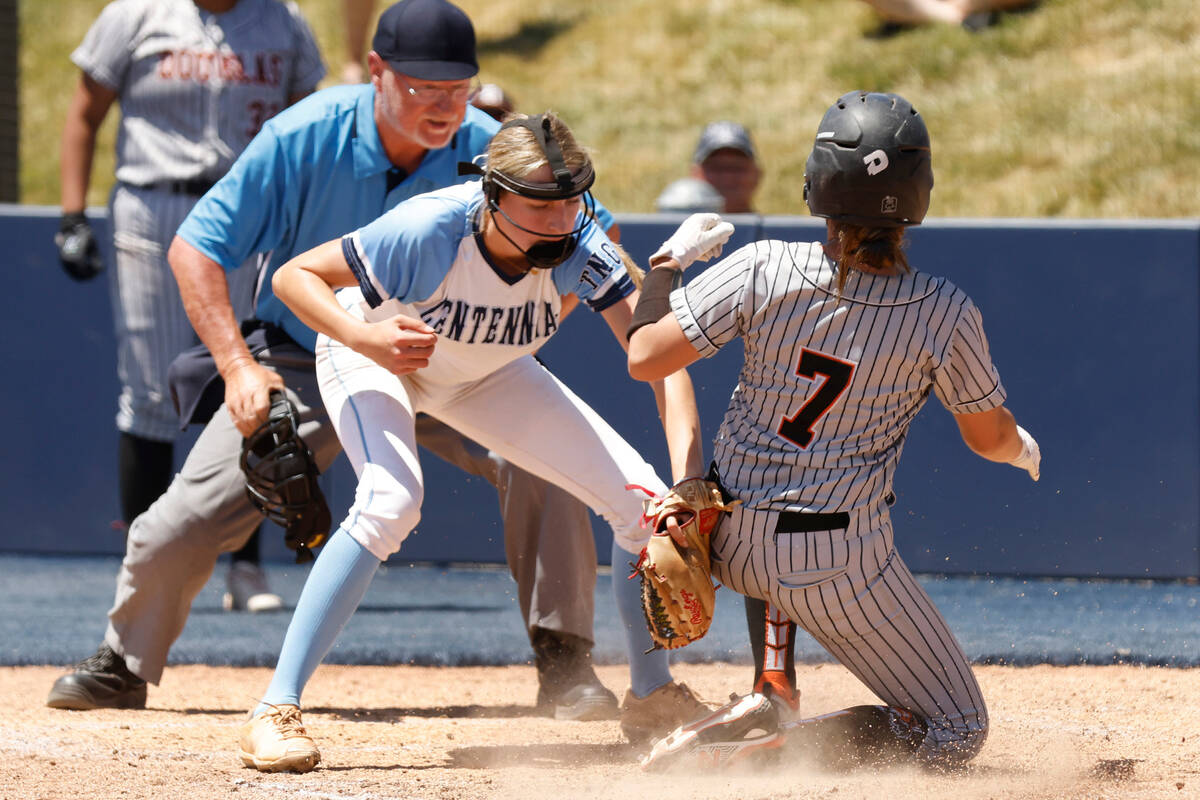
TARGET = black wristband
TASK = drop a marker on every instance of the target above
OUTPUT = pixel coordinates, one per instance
(654, 303)
(72, 219)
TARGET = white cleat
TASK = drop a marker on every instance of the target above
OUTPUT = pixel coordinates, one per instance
(276, 741)
(248, 590)
(731, 734)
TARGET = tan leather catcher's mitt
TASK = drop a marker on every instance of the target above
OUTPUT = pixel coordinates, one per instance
(677, 588)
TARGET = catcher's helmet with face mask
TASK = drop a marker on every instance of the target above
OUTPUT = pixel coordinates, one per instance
(870, 164)
(556, 248)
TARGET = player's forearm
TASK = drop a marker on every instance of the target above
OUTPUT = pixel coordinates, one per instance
(85, 114)
(313, 300)
(205, 293)
(991, 434)
(676, 400)
(76, 151)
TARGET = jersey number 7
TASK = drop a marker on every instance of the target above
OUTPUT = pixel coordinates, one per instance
(798, 428)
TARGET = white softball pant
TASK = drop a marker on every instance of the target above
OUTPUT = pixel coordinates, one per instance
(852, 592)
(520, 412)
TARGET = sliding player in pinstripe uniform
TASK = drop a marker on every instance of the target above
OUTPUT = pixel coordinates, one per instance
(843, 343)
(195, 79)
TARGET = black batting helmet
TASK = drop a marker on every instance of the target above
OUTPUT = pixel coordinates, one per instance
(870, 163)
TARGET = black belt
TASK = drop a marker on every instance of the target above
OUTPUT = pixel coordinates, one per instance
(808, 521)
(196, 188)
(796, 521)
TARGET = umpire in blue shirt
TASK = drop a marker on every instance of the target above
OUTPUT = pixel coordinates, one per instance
(325, 166)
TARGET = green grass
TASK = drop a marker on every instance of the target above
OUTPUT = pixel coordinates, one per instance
(1080, 108)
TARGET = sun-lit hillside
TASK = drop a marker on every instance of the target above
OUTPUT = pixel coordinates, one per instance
(1079, 108)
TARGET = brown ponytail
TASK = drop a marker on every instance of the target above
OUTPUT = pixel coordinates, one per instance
(878, 251)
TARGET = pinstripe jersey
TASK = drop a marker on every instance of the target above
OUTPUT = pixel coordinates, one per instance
(195, 87)
(829, 386)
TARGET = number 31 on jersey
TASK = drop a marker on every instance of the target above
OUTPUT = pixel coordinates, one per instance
(836, 374)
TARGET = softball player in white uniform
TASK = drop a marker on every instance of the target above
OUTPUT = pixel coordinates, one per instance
(195, 80)
(467, 282)
(843, 343)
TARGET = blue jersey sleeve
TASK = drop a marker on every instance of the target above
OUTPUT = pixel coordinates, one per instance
(251, 209)
(604, 217)
(406, 253)
(595, 271)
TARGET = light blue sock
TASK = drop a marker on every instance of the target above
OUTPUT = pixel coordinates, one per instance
(334, 588)
(647, 671)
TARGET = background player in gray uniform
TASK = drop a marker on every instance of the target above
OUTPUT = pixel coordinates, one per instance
(195, 79)
(843, 343)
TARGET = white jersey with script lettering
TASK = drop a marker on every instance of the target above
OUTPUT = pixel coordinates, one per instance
(423, 259)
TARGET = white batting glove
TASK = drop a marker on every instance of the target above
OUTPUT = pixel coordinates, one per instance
(699, 238)
(1030, 459)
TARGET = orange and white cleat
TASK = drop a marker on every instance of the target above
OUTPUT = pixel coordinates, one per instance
(731, 735)
(775, 684)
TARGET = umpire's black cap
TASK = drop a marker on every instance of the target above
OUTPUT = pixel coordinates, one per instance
(432, 40)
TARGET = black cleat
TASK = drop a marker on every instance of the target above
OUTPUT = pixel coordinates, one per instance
(568, 688)
(586, 700)
(100, 681)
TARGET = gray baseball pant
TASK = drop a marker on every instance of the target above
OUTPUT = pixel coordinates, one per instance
(851, 591)
(148, 318)
(173, 547)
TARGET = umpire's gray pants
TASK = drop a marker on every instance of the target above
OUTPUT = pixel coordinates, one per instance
(172, 547)
(852, 592)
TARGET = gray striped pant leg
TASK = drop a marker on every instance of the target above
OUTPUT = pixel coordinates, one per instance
(880, 624)
(858, 600)
(150, 323)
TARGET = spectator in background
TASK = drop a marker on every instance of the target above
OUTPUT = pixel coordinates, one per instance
(356, 22)
(971, 14)
(493, 101)
(689, 196)
(179, 70)
(726, 159)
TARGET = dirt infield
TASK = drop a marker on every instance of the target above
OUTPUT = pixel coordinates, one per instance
(471, 732)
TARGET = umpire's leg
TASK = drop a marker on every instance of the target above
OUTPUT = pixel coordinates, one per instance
(173, 547)
(547, 534)
(552, 557)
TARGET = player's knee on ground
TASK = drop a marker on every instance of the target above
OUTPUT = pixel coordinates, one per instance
(865, 736)
(952, 741)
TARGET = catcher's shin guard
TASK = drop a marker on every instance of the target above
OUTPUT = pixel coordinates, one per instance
(742, 728)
